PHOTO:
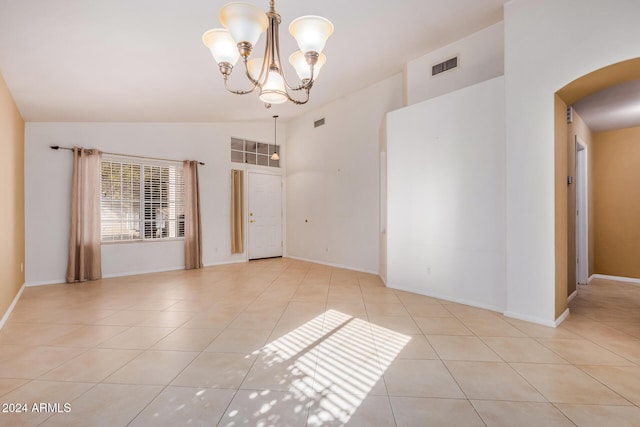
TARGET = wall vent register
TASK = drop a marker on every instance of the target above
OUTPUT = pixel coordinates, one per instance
(447, 65)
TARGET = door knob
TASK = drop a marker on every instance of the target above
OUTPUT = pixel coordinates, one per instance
(252, 220)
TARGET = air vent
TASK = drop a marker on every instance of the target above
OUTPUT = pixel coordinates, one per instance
(318, 123)
(447, 65)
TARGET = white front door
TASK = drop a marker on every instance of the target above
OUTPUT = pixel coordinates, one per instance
(265, 215)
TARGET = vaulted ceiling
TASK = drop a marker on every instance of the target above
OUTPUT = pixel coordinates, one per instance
(143, 60)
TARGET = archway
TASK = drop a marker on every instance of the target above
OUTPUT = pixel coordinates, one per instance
(565, 194)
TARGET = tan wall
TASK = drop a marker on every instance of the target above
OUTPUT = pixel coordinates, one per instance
(560, 180)
(617, 202)
(12, 197)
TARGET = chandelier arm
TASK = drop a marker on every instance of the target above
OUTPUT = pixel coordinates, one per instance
(240, 92)
(253, 81)
(297, 102)
(306, 86)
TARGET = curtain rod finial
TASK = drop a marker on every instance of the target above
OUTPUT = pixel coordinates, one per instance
(54, 147)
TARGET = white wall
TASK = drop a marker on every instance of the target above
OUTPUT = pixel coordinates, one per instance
(333, 178)
(48, 177)
(549, 43)
(446, 201)
(480, 58)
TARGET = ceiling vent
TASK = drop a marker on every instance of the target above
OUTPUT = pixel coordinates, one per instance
(318, 123)
(443, 66)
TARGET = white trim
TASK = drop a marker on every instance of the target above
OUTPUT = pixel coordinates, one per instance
(582, 205)
(11, 307)
(572, 296)
(45, 282)
(561, 318)
(132, 273)
(139, 272)
(532, 319)
(235, 261)
(616, 278)
(333, 265)
(447, 298)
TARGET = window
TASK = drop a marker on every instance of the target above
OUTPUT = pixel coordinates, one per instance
(141, 201)
(253, 153)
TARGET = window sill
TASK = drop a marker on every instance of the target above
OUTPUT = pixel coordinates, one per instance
(127, 242)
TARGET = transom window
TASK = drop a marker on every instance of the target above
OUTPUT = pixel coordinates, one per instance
(140, 200)
(254, 153)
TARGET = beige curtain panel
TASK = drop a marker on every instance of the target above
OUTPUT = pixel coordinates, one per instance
(237, 211)
(85, 261)
(192, 223)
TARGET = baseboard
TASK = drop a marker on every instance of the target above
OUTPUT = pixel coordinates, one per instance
(531, 319)
(346, 267)
(133, 273)
(631, 280)
(384, 280)
(139, 272)
(237, 261)
(572, 296)
(11, 307)
(45, 282)
(447, 298)
(561, 318)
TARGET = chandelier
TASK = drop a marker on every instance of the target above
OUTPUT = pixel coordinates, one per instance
(244, 23)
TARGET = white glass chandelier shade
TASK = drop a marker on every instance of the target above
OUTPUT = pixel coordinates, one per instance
(222, 46)
(255, 66)
(243, 24)
(311, 32)
(244, 21)
(274, 91)
(303, 69)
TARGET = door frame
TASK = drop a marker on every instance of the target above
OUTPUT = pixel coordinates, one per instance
(582, 212)
(261, 171)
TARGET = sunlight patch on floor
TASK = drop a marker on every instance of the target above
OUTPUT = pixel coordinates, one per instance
(325, 367)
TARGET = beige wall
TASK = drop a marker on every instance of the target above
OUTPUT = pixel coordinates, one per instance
(617, 202)
(12, 196)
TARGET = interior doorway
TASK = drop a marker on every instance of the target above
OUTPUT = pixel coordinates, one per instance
(265, 215)
(568, 271)
(582, 213)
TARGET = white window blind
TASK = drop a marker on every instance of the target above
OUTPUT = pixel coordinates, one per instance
(140, 200)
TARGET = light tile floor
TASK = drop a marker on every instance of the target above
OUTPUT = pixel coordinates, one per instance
(287, 343)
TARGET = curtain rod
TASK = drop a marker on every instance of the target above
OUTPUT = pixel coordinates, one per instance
(57, 147)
